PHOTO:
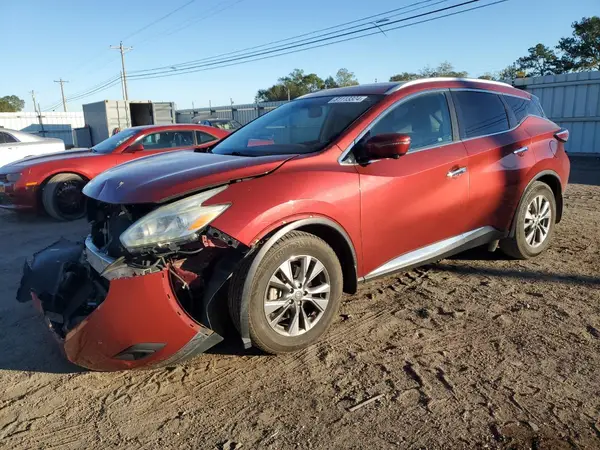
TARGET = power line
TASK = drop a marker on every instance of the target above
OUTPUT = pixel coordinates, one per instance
(85, 91)
(99, 88)
(145, 27)
(297, 45)
(221, 65)
(363, 19)
(213, 11)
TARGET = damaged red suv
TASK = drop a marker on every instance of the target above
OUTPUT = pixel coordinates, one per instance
(263, 232)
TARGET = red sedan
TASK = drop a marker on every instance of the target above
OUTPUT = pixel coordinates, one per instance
(54, 182)
(273, 223)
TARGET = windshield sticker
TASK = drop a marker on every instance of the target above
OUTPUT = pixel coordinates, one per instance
(348, 99)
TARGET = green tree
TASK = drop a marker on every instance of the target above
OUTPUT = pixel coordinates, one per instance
(582, 50)
(405, 76)
(344, 77)
(511, 72)
(540, 61)
(330, 83)
(11, 103)
(488, 76)
(445, 69)
(296, 84)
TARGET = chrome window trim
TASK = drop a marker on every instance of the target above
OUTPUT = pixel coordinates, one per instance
(416, 94)
(382, 115)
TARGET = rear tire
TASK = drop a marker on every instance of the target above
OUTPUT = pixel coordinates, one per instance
(533, 223)
(62, 197)
(288, 315)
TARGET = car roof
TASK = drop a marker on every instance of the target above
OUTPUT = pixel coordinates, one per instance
(441, 82)
(360, 89)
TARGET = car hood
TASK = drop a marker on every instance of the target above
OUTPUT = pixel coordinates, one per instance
(48, 157)
(159, 178)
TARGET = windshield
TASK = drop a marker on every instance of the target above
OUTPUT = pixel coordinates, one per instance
(108, 145)
(302, 126)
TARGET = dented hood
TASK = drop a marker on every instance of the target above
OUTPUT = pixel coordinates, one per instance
(159, 178)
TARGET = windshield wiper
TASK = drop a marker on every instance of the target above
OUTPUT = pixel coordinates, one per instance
(240, 154)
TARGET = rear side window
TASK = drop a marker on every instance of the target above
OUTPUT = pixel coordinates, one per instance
(480, 113)
(522, 107)
(203, 138)
(6, 138)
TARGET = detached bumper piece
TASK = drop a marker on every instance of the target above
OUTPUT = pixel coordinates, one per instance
(128, 322)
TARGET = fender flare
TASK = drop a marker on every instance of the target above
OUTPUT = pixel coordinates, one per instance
(262, 251)
(533, 180)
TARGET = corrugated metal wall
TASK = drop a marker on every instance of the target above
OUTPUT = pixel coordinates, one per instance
(242, 113)
(573, 101)
(50, 124)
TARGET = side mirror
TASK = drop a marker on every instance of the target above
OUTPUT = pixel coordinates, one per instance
(138, 147)
(390, 145)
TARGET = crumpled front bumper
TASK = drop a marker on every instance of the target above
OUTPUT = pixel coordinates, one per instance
(135, 320)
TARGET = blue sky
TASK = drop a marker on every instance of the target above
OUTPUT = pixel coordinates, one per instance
(46, 40)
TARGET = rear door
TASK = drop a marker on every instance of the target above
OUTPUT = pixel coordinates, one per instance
(499, 157)
(421, 197)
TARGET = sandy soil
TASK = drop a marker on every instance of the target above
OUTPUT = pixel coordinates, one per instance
(474, 352)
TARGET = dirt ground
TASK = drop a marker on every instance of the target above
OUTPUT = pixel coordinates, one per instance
(474, 352)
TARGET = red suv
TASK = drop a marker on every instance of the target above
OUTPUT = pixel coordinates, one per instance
(266, 229)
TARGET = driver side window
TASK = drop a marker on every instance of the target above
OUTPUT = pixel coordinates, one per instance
(425, 118)
(168, 139)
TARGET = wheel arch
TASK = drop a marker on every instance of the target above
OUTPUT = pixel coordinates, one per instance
(550, 178)
(49, 176)
(328, 230)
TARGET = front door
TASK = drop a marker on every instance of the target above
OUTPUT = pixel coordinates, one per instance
(420, 198)
(159, 142)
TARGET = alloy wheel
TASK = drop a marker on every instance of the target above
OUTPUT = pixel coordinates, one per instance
(297, 295)
(537, 221)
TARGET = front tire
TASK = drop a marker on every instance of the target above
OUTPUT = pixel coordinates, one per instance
(62, 197)
(533, 224)
(294, 295)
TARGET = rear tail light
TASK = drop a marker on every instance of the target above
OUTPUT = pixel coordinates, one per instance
(562, 135)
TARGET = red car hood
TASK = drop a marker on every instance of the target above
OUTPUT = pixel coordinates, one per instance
(48, 157)
(158, 178)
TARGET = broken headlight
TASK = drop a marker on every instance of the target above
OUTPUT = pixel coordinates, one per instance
(175, 223)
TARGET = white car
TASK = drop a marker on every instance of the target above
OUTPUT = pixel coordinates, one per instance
(16, 145)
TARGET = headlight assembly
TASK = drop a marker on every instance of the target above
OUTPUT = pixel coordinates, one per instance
(175, 223)
(13, 177)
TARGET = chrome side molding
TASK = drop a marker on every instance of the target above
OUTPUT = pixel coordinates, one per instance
(412, 259)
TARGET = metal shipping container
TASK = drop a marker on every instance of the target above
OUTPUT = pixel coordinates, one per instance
(572, 100)
(104, 117)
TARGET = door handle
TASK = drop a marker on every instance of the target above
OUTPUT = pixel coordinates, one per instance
(457, 172)
(521, 150)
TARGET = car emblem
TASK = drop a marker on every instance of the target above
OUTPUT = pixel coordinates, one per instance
(121, 183)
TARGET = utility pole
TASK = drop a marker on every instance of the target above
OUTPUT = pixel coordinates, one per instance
(34, 102)
(62, 91)
(123, 50)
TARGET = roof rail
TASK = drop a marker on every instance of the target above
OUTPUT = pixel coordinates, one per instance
(426, 80)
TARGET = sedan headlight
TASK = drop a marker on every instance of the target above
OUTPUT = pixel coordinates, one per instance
(13, 177)
(177, 222)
